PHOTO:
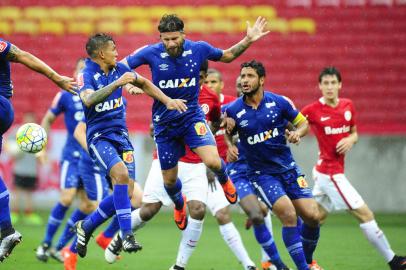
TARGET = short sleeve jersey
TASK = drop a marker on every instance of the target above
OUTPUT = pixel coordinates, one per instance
(262, 133)
(71, 106)
(177, 77)
(210, 105)
(330, 125)
(6, 85)
(109, 114)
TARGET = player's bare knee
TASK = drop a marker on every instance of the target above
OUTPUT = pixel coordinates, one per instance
(88, 207)
(197, 210)
(223, 216)
(148, 211)
(120, 177)
(288, 217)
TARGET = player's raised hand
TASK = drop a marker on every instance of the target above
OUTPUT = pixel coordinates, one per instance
(257, 30)
(176, 104)
(344, 145)
(128, 77)
(133, 90)
(292, 136)
(65, 83)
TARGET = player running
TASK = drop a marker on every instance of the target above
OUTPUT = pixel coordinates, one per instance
(100, 85)
(261, 120)
(71, 106)
(175, 64)
(11, 53)
(332, 120)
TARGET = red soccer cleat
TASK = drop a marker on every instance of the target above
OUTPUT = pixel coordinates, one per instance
(180, 216)
(229, 191)
(314, 266)
(71, 259)
(103, 241)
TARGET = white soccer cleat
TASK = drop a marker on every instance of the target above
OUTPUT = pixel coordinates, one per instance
(8, 243)
(112, 252)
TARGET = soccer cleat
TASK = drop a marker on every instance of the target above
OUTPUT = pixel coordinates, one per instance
(42, 252)
(130, 244)
(56, 255)
(103, 241)
(229, 191)
(180, 216)
(70, 259)
(8, 243)
(175, 267)
(267, 265)
(398, 263)
(112, 252)
(83, 239)
(251, 267)
(314, 266)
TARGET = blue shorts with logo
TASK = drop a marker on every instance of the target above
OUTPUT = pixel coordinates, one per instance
(111, 148)
(171, 138)
(93, 179)
(270, 187)
(69, 173)
(237, 171)
(6, 117)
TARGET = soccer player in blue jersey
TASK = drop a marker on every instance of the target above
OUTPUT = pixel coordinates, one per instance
(71, 178)
(100, 85)
(261, 120)
(11, 53)
(175, 64)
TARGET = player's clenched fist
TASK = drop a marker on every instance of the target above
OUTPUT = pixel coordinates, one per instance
(128, 77)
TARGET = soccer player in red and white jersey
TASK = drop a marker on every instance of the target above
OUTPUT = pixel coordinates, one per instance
(332, 120)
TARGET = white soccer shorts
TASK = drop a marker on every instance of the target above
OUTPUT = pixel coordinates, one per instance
(216, 199)
(192, 175)
(335, 192)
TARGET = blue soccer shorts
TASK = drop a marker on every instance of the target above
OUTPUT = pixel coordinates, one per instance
(237, 171)
(270, 187)
(93, 179)
(172, 137)
(111, 148)
(69, 174)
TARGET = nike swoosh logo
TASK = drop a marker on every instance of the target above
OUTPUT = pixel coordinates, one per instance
(324, 118)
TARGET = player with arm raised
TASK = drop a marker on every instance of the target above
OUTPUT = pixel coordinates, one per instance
(11, 53)
(175, 63)
(100, 86)
(261, 120)
(332, 120)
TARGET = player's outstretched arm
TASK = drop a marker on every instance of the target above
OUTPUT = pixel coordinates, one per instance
(253, 34)
(151, 90)
(36, 64)
(91, 97)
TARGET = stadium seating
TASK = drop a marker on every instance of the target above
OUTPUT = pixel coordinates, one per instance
(363, 38)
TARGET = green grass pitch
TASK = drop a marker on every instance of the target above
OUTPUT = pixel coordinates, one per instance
(342, 246)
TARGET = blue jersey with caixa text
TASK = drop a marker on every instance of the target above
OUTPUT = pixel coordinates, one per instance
(262, 133)
(109, 114)
(6, 85)
(71, 106)
(177, 77)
